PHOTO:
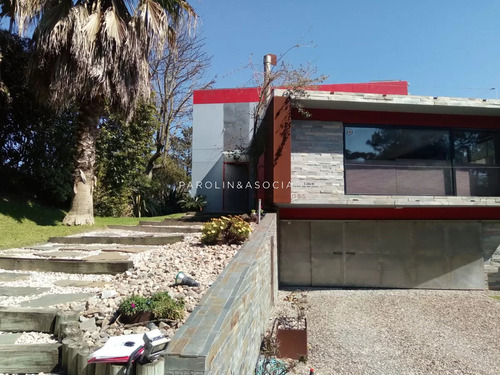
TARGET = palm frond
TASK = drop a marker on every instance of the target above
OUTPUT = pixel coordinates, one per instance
(97, 49)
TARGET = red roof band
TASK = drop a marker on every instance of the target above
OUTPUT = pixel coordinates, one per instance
(251, 94)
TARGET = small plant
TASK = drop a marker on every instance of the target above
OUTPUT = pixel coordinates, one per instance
(225, 230)
(133, 305)
(165, 307)
(195, 203)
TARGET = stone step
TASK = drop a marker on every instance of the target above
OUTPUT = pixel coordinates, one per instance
(99, 267)
(170, 222)
(13, 276)
(15, 291)
(49, 300)
(19, 359)
(128, 240)
(158, 228)
(87, 248)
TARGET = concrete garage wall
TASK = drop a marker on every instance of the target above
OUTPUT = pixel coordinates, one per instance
(393, 254)
(224, 332)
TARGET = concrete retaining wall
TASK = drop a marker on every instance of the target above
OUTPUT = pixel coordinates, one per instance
(224, 332)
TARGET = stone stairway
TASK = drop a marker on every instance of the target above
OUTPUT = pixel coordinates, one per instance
(92, 254)
(97, 253)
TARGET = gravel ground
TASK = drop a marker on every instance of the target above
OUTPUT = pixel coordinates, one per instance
(153, 271)
(400, 331)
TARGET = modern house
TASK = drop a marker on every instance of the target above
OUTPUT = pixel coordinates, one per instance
(372, 188)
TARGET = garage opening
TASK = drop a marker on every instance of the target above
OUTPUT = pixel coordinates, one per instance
(385, 254)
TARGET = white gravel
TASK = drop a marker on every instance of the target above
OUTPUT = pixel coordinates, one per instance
(400, 331)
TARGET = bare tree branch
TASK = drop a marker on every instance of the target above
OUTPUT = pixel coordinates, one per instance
(175, 77)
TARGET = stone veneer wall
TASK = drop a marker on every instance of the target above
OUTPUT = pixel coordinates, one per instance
(490, 243)
(224, 332)
(317, 160)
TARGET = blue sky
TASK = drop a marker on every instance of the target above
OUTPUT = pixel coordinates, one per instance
(442, 47)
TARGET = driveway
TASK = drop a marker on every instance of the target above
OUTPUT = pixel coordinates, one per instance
(401, 332)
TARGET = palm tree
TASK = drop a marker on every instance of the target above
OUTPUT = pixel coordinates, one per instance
(91, 54)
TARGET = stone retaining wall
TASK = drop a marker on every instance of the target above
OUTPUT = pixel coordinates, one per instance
(490, 243)
(224, 332)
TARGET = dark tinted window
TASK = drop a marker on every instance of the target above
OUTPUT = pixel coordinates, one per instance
(421, 161)
(477, 157)
(402, 161)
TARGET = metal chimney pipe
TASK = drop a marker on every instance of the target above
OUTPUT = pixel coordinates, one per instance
(269, 60)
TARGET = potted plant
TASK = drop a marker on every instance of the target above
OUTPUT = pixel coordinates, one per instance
(138, 309)
(291, 332)
(135, 309)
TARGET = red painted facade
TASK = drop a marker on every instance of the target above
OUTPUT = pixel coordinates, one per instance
(251, 94)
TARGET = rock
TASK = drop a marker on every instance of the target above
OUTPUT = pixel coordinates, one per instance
(88, 325)
(108, 293)
(91, 311)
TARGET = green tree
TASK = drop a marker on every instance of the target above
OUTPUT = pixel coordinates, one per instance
(122, 153)
(93, 54)
(180, 149)
(35, 151)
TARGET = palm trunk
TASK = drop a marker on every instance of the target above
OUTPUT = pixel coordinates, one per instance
(82, 206)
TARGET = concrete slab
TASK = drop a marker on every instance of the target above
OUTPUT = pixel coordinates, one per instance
(129, 240)
(158, 228)
(13, 276)
(42, 248)
(56, 299)
(16, 291)
(9, 338)
(81, 283)
(62, 254)
(82, 248)
(106, 257)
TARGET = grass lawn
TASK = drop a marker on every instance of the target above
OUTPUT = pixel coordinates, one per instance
(495, 297)
(27, 223)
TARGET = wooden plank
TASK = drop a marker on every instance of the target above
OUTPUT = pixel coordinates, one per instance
(129, 240)
(65, 265)
(23, 319)
(29, 358)
(158, 228)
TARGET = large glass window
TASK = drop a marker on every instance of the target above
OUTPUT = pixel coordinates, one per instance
(420, 161)
(477, 157)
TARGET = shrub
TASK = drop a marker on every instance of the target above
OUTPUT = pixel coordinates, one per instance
(226, 230)
(196, 203)
(165, 307)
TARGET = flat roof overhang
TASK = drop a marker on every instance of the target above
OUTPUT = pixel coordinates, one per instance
(396, 103)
